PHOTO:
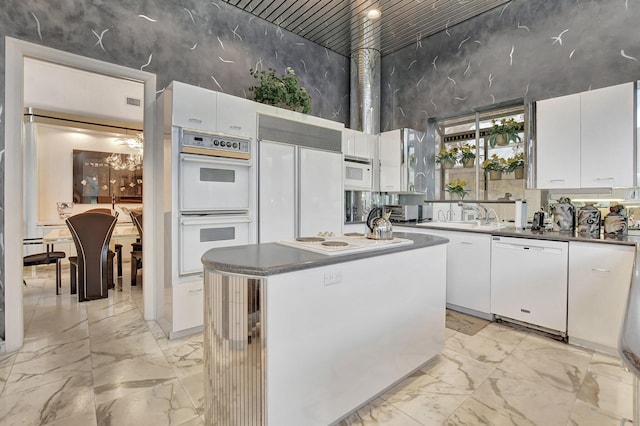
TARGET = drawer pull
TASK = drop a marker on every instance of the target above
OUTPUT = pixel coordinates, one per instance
(195, 120)
(466, 242)
(607, 178)
(196, 291)
(235, 127)
(557, 180)
(526, 311)
(599, 270)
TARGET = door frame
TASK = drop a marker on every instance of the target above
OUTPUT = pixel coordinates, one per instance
(15, 51)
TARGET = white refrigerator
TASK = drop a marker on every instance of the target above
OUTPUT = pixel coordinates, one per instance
(300, 191)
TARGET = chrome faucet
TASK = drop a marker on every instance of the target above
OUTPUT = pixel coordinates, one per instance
(480, 210)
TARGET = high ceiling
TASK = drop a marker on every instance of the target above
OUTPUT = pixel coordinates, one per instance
(331, 23)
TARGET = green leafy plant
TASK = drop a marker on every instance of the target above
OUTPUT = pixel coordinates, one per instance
(466, 152)
(449, 155)
(506, 131)
(515, 162)
(280, 91)
(495, 164)
(456, 186)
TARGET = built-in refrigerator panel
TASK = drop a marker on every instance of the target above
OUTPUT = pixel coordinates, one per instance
(277, 204)
(300, 178)
(320, 192)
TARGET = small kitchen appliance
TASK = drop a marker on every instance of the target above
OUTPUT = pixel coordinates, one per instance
(402, 213)
(538, 221)
(379, 225)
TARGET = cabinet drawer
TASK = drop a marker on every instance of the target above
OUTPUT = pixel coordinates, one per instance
(194, 107)
(188, 305)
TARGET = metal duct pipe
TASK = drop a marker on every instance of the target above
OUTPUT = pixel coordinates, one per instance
(365, 68)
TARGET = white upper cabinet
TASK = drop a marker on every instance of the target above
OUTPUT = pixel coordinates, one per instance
(391, 161)
(194, 107)
(358, 144)
(349, 142)
(558, 142)
(237, 116)
(587, 140)
(607, 126)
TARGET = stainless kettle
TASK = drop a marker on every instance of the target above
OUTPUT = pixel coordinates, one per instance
(379, 224)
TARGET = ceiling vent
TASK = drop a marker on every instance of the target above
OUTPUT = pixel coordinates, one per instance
(134, 101)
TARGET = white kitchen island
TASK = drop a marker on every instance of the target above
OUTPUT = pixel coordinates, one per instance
(294, 337)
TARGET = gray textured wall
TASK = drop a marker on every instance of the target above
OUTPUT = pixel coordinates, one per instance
(510, 53)
(204, 43)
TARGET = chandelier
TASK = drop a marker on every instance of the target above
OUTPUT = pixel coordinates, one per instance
(128, 162)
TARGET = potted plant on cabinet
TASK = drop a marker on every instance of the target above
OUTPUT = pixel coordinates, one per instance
(504, 133)
(456, 189)
(515, 165)
(467, 156)
(447, 157)
(284, 91)
(494, 166)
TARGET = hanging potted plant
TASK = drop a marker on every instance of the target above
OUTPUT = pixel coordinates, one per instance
(456, 190)
(494, 166)
(504, 133)
(284, 91)
(447, 157)
(467, 156)
(515, 165)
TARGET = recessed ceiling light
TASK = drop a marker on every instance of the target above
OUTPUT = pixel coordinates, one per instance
(373, 13)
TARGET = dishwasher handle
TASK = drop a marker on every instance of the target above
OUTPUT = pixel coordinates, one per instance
(527, 248)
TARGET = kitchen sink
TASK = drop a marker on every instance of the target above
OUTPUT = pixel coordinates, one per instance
(463, 225)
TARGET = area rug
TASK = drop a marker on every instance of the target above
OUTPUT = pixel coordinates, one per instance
(464, 323)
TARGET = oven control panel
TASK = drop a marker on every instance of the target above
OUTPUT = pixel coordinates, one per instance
(216, 145)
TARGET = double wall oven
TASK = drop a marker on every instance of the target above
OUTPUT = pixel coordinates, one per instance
(214, 195)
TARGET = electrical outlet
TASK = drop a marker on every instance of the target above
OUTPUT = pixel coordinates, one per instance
(332, 277)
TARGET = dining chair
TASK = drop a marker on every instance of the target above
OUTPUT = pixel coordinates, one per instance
(91, 232)
(111, 254)
(45, 258)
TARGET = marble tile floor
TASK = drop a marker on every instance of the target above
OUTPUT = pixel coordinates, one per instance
(101, 363)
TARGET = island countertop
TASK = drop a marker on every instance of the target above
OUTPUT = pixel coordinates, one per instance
(273, 258)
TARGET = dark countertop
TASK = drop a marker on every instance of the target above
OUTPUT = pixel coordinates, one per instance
(510, 231)
(272, 258)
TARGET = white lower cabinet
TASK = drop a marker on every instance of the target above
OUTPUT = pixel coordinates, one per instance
(188, 311)
(468, 270)
(599, 280)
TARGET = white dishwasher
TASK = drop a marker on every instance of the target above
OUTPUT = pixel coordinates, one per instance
(529, 281)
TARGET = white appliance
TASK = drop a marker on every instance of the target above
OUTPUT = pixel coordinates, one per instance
(209, 198)
(529, 282)
(357, 174)
(300, 179)
(346, 244)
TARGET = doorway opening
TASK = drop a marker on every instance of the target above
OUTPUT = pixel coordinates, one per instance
(17, 52)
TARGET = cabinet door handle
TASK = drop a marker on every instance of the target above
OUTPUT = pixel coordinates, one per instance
(195, 291)
(195, 120)
(557, 180)
(606, 178)
(599, 270)
(235, 127)
(466, 242)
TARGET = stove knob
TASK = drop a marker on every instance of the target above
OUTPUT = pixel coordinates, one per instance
(216, 142)
(235, 145)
